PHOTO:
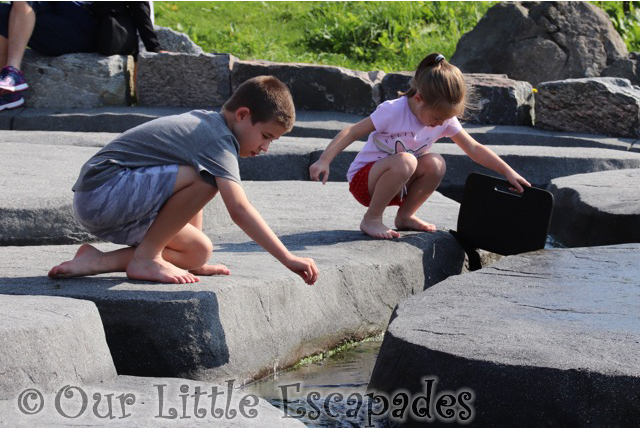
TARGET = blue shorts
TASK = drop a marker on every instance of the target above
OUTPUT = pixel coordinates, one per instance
(122, 209)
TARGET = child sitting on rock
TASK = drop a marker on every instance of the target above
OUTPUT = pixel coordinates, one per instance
(396, 167)
(147, 188)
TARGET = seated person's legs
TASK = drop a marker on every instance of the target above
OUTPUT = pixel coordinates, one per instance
(16, 26)
(155, 210)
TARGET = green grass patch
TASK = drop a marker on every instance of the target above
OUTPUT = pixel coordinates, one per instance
(389, 36)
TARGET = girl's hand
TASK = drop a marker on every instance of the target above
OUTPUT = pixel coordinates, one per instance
(319, 169)
(517, 181)
(303, 266)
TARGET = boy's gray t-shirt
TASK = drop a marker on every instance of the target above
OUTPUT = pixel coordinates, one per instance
(198, 138)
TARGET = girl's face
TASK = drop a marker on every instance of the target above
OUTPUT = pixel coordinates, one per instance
(429, 116)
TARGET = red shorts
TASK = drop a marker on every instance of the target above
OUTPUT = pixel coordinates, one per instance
(359, 187)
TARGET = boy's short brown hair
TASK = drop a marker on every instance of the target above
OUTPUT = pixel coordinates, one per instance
(267, 98)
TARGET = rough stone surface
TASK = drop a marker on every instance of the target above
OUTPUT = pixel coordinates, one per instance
(49, 342)
(600, 208)
(174, 41)
(495, 98)
(604, 105)
(151, 402)
(204, 80)
(540, 41)
(624, 68)
(318, 87)
(80, 80)
(540, 338)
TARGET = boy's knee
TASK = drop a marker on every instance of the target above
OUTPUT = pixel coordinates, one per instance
(201, 250)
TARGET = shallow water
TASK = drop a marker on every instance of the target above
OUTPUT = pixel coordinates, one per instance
(327, 393)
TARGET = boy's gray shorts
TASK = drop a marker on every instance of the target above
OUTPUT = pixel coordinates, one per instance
(122, 210)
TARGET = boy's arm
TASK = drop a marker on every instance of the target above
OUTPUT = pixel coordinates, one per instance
(487, 158)
(251, 222)
(348, 135)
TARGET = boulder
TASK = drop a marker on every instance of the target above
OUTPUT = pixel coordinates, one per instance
(79, 80)
(183, 80)
(174, 41)
(47, 341)
(624, 68)
(548, 338)
(602, 105)
(318, 87)
(541, 41)
(494, 98)
(600, 208)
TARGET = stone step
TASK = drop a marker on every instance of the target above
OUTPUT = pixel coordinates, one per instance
(54, 358)
(35, 201)
(316, 124)
(47, 341)
(600, 208)
(537, 338)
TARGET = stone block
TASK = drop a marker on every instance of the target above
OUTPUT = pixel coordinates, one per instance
(80, 80)
(603, 105)
(537, 339)
(47, 341)
(600, 208)
(174, 41)
(625, 69)
(183, 80)
(318, 87)
(494, 98)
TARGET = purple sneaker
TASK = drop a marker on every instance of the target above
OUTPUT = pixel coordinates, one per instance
(11, 80)
(10, 100)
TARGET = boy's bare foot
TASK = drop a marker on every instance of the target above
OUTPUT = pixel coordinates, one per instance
(158, 270)
(414, 223)
(375, 228)
(84, 263)
(207, 270)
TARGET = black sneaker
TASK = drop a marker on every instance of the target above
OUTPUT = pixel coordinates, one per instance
(9, 100)
(12, 80)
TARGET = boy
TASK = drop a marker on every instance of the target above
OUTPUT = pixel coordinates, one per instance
(147, 188)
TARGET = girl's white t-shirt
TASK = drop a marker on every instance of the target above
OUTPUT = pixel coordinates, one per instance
(398, 130)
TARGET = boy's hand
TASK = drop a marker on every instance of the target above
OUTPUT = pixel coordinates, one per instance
(517, 181)
(303, 266)
(318, 169)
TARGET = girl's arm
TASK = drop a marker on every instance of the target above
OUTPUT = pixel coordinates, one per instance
(348, 135)
(487, 158)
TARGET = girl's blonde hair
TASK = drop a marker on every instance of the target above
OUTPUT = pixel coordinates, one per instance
(440, 84)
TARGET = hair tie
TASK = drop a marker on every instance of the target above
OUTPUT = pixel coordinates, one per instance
(439, 58)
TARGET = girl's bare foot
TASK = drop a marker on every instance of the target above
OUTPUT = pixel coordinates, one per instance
(414, 223)
(85, 262)
(158, 270)
(208, 270)
(375, 228)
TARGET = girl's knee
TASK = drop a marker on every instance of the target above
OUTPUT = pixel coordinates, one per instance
(405, 163)
(433, 163)
(200, 250)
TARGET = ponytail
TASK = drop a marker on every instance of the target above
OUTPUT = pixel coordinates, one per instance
(439, 83)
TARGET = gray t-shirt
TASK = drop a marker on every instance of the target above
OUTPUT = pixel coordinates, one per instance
(199, 138)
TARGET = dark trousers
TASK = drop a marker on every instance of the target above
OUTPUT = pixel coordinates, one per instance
(61, 27)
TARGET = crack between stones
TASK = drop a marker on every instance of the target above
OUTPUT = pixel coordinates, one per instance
(561, 310)
(439, 333)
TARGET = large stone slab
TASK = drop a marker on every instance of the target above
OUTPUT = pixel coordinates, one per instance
(495, 99)
(80, 80)
(601, 208)
(183, 80)
(540, 41)
(318, 87)
(547, 338)
(143, 402)
(603, 105)
(48, 342)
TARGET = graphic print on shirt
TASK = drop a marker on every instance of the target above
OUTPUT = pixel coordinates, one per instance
(402, 142)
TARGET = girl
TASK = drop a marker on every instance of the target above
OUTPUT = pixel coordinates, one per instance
(396, 167)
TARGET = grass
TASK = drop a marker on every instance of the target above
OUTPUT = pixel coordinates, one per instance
(389, 36)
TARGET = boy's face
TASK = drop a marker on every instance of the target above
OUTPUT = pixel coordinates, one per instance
(254, 138)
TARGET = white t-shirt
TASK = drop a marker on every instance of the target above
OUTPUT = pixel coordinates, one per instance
(398, 130)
